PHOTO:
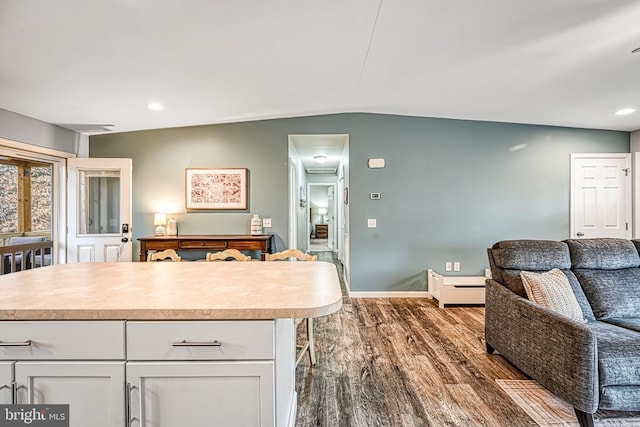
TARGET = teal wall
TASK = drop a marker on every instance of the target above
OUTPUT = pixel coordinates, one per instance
(449, 190)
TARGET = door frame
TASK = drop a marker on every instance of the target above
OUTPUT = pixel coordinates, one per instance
(58, 160)
(629, 196)
(124, 167)
(330, 212)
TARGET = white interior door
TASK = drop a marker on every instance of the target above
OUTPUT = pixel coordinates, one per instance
(331, 211)
(99, 211)
(601, 195)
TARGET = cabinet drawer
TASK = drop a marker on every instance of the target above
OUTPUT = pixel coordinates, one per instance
(249, 246)
(203, 244)
(208, 340)
(162, 245)
(53, 340)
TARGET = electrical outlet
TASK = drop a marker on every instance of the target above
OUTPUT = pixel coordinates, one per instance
(456, 266)
(372, 223)
(266, 222)
(447, 266)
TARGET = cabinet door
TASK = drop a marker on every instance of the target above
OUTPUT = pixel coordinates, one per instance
(176, 394)
(94, 391)
(6, 378)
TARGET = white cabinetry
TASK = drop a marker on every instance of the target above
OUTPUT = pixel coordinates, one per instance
(66, 362)
(6, 380)
(172, 374)
(93, 390)
(177, 394)
(211, 373)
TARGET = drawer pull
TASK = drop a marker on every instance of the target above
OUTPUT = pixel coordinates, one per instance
(185, 343)
(26, 343)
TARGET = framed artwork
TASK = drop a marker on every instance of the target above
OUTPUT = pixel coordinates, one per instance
(303, 196)
(213, 189)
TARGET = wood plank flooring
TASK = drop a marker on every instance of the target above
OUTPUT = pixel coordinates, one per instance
(404, 362)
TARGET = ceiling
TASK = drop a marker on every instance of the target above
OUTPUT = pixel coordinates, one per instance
(329, 147)
(93, 66)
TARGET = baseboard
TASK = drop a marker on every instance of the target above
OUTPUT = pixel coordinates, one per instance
(407, 294)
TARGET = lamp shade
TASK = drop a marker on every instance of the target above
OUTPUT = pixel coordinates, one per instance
(322, 211)
(159, 219)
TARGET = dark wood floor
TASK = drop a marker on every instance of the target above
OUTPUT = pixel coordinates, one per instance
(404, 362)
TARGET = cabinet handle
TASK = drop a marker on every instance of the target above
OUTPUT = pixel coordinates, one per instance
(127, 393)
(14, 393)
(26, 343)
(185, 343)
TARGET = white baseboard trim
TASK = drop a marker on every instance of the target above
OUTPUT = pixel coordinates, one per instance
(408, 294)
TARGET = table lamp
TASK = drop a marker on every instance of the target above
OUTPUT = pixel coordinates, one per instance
(322, 212)
(159, 219)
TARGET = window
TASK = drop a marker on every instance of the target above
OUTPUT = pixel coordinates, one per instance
(25, 197)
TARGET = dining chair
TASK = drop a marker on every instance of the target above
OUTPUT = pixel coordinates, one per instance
(166, 255)
(309, 345)
(227, 255)
(291, 254)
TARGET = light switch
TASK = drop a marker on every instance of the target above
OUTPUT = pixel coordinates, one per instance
(456, 266)
(266, 222)
(371, 223)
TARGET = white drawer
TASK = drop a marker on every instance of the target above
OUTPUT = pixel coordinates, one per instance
(62, 340)
(206, 340)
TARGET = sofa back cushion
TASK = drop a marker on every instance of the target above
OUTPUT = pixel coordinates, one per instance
(612, 293)
(509, 257)
(608, 272)
(603, 254)
(20, 240)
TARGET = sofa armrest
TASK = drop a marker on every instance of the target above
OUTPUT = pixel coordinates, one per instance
(557, 352)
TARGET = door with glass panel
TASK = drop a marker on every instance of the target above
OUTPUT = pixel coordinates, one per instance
(99, 211)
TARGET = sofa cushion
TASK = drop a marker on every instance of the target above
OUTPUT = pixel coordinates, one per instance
(531, 255)
(509, 257)
(632, 323)
(618, 355)
(603, 253)
(552, 290)
(20, 240)
(612, 293)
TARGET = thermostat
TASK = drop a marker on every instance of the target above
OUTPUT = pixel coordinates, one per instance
(376, 163)
(374, 196)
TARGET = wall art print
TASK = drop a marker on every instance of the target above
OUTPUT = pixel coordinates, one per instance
(212, 189)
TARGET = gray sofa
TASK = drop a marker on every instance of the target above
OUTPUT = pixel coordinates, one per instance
(591, 365)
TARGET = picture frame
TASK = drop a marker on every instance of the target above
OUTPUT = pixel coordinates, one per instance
(216, 189)
(303, 196)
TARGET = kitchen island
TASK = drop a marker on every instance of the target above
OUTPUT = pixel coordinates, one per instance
(171, 344)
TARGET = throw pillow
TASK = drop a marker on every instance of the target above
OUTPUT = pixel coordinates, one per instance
(553, 291)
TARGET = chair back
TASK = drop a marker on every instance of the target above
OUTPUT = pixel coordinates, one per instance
(227, 255)
(166, 255)
(291, 254)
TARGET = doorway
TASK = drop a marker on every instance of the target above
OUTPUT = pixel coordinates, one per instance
(319, 161)
(322, 218)
(600, 195)
(39, 210)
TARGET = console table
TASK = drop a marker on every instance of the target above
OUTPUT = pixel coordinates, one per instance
(208, 242)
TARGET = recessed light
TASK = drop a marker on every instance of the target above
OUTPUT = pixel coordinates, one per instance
(320, 158)
(155, 106)
(625, 111)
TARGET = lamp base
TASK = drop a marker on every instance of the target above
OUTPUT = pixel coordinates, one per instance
(159, 230)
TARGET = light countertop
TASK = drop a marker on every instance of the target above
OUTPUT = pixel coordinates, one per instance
(171, 291)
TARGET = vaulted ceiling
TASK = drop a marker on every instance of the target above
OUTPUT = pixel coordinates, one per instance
(95, 65)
